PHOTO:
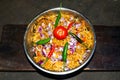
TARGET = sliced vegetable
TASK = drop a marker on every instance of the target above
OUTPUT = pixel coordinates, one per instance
(43, 52)
(57, 19)
(79, 40)
(50, 53)
(76, 37)
(83, 23)
(60, 32)
(40, 29)
(84, 39)
(40, 62)
(38, 53)
(64, 54)
(70, 25)
(44, 41)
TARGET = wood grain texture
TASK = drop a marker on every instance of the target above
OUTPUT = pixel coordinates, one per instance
(106, 55)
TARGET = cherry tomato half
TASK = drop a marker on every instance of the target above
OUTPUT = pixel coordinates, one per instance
(60, 32)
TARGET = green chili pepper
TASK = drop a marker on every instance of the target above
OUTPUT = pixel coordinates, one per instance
(44, 41)
(57, 19)
(76, 37)
(64, 54)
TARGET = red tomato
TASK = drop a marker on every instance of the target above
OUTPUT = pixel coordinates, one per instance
(60, 32)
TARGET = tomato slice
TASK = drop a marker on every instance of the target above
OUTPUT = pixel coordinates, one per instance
(60, 32)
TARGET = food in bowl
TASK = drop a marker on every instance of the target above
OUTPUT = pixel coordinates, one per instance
(59, 40)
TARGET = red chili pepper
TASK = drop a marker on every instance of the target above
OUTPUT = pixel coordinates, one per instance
(51, 51)
(70, 25)
(49, 54)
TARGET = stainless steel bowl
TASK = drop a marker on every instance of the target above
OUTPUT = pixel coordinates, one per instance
(27, 42)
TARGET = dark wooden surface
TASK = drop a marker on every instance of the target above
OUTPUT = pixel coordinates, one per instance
(106, 55)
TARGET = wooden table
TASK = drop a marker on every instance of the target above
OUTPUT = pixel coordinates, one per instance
(106, 56)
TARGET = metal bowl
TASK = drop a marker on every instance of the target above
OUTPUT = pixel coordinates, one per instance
(27, 42)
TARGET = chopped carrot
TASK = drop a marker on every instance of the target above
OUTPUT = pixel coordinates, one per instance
(37, 53)
(84, 39)
(83, 23)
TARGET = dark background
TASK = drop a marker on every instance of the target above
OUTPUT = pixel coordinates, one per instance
(99, 12)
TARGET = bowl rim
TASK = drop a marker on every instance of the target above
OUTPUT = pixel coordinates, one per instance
(69, 71)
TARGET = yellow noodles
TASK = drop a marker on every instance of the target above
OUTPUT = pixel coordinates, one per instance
(44, 27)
